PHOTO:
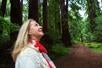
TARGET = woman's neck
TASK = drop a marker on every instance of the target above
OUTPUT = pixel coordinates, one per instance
(34, 38)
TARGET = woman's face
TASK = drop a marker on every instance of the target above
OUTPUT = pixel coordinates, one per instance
(35, 29)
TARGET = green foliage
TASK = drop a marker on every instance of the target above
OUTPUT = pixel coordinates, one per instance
(6, 27)
(98, 49)
(93, 45)
(98, 29)
(54, 19)
(76, 26)
(14, 27)
(25, 10)
(4, 30)
(80, 31)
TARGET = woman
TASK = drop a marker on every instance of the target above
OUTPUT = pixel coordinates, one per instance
(28, 52)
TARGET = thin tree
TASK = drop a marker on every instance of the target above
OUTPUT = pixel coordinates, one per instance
(45, 16)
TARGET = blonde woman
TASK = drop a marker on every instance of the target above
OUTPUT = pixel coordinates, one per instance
(28, 52)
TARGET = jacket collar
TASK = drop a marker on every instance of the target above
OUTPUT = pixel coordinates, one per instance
(32, 46)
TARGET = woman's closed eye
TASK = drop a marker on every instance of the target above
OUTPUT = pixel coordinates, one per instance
(37, 24)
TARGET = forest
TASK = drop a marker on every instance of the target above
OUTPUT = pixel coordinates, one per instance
(65, 23)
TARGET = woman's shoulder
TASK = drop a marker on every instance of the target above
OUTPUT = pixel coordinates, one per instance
(28, 51)
(27, 56)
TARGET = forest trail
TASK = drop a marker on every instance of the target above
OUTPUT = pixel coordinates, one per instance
(80, 57)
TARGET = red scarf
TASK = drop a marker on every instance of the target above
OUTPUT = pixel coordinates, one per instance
(41, 47)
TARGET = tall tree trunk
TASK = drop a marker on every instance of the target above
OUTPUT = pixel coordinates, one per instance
(45, 17)
(92, 13)
(16, 11)
(46, 38)
(57, 19)
(3, 7)
(15, 17)
(66, 39)
(33, 9)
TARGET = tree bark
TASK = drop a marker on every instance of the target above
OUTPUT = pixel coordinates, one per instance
(3, 7)
(45, 17)
(16, 11)
(15, 17)
(66, 39)
(33, 9)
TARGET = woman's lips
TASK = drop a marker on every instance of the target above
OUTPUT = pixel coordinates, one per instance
(40, 30)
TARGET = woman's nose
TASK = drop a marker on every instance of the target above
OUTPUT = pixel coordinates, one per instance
(41, 27)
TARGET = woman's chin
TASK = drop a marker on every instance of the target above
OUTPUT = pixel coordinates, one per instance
(41, 34)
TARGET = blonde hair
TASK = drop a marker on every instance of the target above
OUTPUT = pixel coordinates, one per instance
(22, 39)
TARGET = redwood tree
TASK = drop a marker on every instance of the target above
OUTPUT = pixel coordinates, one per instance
(15, 17)
(64, 23)
(33, 9)
(16, 11)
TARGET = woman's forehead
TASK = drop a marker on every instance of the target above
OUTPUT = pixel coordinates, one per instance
(33, 22)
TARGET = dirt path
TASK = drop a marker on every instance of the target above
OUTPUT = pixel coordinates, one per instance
(80, 57)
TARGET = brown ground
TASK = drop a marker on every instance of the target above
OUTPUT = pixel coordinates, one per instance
(80, 57)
